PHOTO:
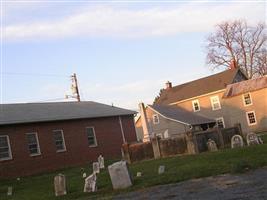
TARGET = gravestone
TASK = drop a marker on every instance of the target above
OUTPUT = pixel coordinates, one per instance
(90, 183)
(84, 175)
(138, 174)
(237, 141)
(119, 175)
(212, 145)
(96, 169)
(101, 162)
(161, 169)
(60, 185)
(252, 139)
(9, 191)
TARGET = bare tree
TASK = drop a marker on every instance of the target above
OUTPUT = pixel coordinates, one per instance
(235, 44)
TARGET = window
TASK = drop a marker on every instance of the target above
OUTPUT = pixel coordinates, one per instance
(196, 106)
(5, 150)
(33, 144)
(251, 118)
(156, 119)
(220, 122)
(59, 140)
(247, 99)
(91, 136)
(215, 103)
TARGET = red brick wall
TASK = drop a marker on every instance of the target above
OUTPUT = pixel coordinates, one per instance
(108, 135)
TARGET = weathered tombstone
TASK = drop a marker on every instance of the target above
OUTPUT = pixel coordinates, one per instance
(96, 169)
(90, 183)
(138, 174)
(60, 185)
(101, 162)
(119, 175)
(212, 146)
(84, 175)
(161, 169)
(237, 141)
(9, 191)
(252, 139)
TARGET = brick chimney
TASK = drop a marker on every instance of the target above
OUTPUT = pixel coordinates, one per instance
(233, 64)
(168, 85)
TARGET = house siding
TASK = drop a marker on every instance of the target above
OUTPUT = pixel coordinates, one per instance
(108, 136)
(174, 128)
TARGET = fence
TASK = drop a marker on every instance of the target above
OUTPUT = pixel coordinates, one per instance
(187, 143)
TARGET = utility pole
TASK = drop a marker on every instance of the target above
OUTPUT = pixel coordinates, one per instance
(74, 88)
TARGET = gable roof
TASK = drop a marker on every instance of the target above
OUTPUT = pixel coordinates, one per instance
(198, 87)
(245, 86)
(180, 115)
(43, 112)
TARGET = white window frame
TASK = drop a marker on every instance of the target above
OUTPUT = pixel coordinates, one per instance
(38, 145)
(193, 102)
(222, 119)
(153, 118)
(63, 140)
(9, 149)
(251, 124)
(244, 102)
(217, 101)
(94, 145)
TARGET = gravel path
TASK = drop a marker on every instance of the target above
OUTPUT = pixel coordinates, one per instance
(249, 186)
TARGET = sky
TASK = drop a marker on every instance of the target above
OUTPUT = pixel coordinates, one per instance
(123, 52)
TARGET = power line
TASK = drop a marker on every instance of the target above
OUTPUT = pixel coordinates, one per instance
(32, 74)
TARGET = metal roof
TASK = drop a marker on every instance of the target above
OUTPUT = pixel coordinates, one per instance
(43, 112)
(181, 115)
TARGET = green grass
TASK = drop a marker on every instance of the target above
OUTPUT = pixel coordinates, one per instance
(177, 169)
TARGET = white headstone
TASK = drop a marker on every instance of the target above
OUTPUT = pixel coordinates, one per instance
(138, 174)
(212, 146)
(9, 191)
(252, 139)
(84, 175)
(60, 185)
(237, 141)
(161, 169)
(96, 169)
(90, 183)
(119, 175)
(101, 162)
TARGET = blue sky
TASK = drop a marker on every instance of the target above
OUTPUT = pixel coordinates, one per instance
(123, 52)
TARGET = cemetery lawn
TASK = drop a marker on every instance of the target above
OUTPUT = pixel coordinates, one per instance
(178, 168)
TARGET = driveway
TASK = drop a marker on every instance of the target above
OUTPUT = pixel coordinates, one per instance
(251, 185)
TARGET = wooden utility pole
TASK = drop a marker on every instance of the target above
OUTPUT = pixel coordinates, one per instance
(75, 88)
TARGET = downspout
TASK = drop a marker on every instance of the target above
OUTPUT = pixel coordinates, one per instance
(122, 131)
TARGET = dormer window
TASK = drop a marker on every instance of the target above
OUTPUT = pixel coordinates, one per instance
(156, 119)
(196, 105)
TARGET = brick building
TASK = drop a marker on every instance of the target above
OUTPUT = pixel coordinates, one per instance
(40, 137)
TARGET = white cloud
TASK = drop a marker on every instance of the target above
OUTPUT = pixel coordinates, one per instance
(110, 21)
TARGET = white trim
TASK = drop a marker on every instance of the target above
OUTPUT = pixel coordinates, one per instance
(251, 124)
(63, 140)
(168, 117)
(95, 145)
(212, 103)
(193, 102)
(222, 119)
(243, 97)
(153, 118)
(37, 142)
(196, 97)
(9, 149)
